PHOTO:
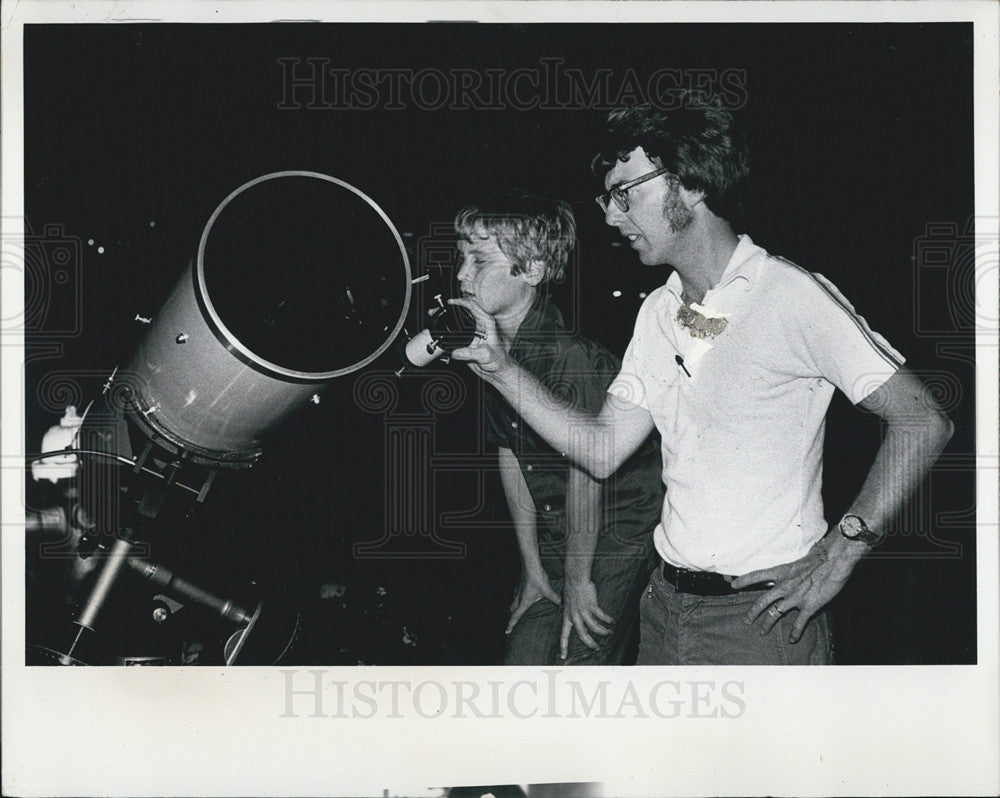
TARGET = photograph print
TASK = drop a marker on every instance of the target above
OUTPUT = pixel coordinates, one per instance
(337, 361)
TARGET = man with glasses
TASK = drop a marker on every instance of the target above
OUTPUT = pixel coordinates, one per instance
(734, 360)
(586, 546)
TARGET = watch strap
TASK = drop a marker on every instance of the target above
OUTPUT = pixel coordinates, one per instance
(853, 527)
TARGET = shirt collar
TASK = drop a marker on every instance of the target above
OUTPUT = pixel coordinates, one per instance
(542, 320)
(740, 269)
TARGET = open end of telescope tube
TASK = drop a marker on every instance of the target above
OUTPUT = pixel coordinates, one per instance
(299, 278)
(302, 276)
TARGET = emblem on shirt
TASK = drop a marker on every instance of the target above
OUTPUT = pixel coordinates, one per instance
(700, 322)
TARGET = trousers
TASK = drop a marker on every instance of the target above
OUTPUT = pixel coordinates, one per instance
(684, 629)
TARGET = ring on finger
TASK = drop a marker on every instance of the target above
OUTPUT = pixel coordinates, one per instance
(774, 612)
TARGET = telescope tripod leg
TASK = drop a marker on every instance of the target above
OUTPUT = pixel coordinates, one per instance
(106, 579)
(117, 557)
(239, 638)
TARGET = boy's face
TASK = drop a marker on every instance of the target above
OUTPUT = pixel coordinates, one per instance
(485, 276)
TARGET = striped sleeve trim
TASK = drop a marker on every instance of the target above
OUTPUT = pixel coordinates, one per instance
(888, 356)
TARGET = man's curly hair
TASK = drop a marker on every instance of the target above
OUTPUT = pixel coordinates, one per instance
(701, 144)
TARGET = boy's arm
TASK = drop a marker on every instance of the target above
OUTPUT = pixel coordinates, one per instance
(534, 584)
(583, 514)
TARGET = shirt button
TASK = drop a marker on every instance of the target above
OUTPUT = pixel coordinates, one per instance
(530, 468)
(548, 508)
(513, 424)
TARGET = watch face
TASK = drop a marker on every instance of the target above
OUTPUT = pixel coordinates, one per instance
(854, 528)
(851, 526)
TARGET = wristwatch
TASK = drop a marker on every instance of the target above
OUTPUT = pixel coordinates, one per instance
(853, 527)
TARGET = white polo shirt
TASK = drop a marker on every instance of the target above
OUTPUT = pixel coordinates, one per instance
(743, 434)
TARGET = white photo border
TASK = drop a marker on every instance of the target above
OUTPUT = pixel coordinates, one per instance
(206, 731)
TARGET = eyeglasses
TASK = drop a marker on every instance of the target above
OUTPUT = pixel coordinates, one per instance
(619, 194)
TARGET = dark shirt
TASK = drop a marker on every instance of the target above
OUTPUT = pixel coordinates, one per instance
(578, 371)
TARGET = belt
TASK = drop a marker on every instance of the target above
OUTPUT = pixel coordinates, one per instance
(704, 583)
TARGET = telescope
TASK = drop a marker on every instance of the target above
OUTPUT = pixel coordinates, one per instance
(299, 278)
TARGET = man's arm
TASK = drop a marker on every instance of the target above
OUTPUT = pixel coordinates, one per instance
(583, 516)
(917, 432)
(597, 443)
(534, 584)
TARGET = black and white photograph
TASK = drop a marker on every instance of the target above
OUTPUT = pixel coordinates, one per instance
(366, 374)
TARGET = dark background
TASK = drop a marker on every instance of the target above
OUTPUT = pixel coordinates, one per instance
(862, 169)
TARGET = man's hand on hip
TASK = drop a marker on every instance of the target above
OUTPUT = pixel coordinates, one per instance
(807, 584)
